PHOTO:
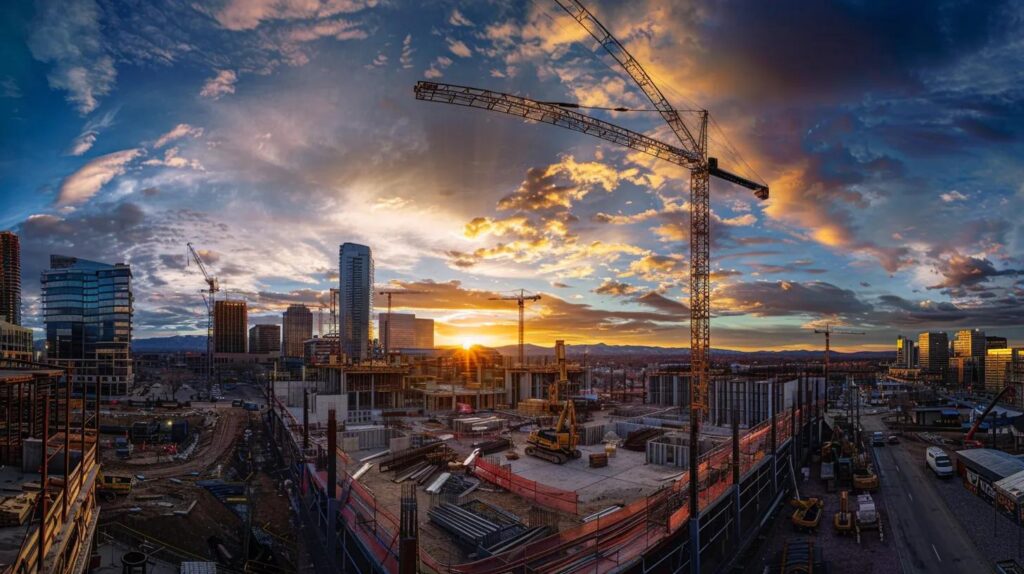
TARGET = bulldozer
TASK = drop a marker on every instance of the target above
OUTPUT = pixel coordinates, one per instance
(557, 444)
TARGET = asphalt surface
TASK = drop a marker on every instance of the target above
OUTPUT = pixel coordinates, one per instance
(928, 537)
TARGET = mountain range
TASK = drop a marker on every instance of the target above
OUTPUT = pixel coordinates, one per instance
(178, 343)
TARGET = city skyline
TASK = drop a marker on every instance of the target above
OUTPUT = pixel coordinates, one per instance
(279, 134)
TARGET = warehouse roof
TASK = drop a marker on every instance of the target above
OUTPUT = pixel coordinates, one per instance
(992, 464)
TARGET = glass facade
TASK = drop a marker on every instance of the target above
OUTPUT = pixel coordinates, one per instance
(87, 308)
(355, 278)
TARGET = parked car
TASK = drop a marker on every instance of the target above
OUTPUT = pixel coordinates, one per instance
(937, 460)
(877, 439)
(893, 439)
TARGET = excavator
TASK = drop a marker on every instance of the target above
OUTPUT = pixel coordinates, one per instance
(557, 444)
(969, 440)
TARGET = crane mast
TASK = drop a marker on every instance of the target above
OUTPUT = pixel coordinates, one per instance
(209, 297)
(520, 298)
(693, 154)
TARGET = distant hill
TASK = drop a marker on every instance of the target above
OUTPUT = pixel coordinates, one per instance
(175, 343)
(604, 350)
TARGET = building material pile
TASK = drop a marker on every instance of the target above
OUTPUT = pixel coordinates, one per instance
(493, 446)
(533, 407)
(483, 528)
(15, 509)
(478, 424)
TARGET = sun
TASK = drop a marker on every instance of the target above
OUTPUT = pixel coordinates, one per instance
(467, 344)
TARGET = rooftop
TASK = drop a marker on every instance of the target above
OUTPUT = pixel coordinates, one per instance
(994, 464)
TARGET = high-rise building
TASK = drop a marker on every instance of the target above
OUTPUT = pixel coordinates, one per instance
(969, 343)
(906, 353)
(933, 349)
(995, 343)
(355, 300)
(999, 365)
(10, 277)
(968, 363)
(424, 338)
(398, 329)
(87, 308)
(230, 326)
(296, 328)
(265, 339)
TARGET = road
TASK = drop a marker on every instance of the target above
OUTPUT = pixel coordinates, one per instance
(928, 537)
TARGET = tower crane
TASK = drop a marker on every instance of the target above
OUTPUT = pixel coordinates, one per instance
(387, 322)
(212, 287)
(520, 298)
(691, 152)
(828, 331)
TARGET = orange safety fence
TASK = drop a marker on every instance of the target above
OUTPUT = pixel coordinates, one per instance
(554, 498)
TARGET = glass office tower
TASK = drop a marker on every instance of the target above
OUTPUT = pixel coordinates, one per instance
(87, 308)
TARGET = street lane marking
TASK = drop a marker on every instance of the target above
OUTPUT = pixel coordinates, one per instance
(897, 468)
(936, 553)
(911, 497)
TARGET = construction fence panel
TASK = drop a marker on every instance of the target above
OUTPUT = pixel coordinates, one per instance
(549, 497)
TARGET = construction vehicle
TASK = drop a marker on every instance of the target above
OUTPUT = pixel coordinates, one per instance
(557, 444)
(843, 518)
(868, 517)
(114, 484)
(865, 479)
(807, 515)
(797, 557)
(969, 441)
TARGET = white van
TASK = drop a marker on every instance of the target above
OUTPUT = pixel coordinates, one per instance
(937, 460)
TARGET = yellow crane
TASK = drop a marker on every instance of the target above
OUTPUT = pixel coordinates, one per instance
(520, 298)
(691, 153)
(559, 443)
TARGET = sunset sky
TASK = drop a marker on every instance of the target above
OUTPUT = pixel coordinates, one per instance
(269, 132)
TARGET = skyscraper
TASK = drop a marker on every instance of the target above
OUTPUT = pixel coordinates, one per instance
(906, 353)
(87, 308)
(355, 300)
(424, 338)
(1000, 364)
(265, 339)
(230, 326)
(296, 327)
(969, 343)
(934, 354)
(10, 277)
(995, 343)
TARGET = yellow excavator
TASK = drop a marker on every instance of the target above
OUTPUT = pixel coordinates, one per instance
(557, 444)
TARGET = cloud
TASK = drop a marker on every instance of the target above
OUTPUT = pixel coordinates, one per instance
(457, 19)
(459, 48)
(436, 67)
(9, 88)
(780, 298)
(177, 132)
(960, 271)
(951, 196)
(67, 34)
(172, 159)
(665, 269)
(664, 304)
(90, 178)
(338, 29)
(219, 85)
(248, 14)
(800, 266)
(406, 58)
(615, 288)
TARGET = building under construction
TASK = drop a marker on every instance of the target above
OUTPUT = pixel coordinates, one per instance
(441, 491)
(48, 463)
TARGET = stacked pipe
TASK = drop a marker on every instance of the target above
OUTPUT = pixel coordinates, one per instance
(524, 537)
(405, 458)
(493, 446)
(465, 525)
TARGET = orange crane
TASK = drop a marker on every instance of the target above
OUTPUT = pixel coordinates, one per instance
(212, 288)
(520, 298)
(691, 153)
(387, 322)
